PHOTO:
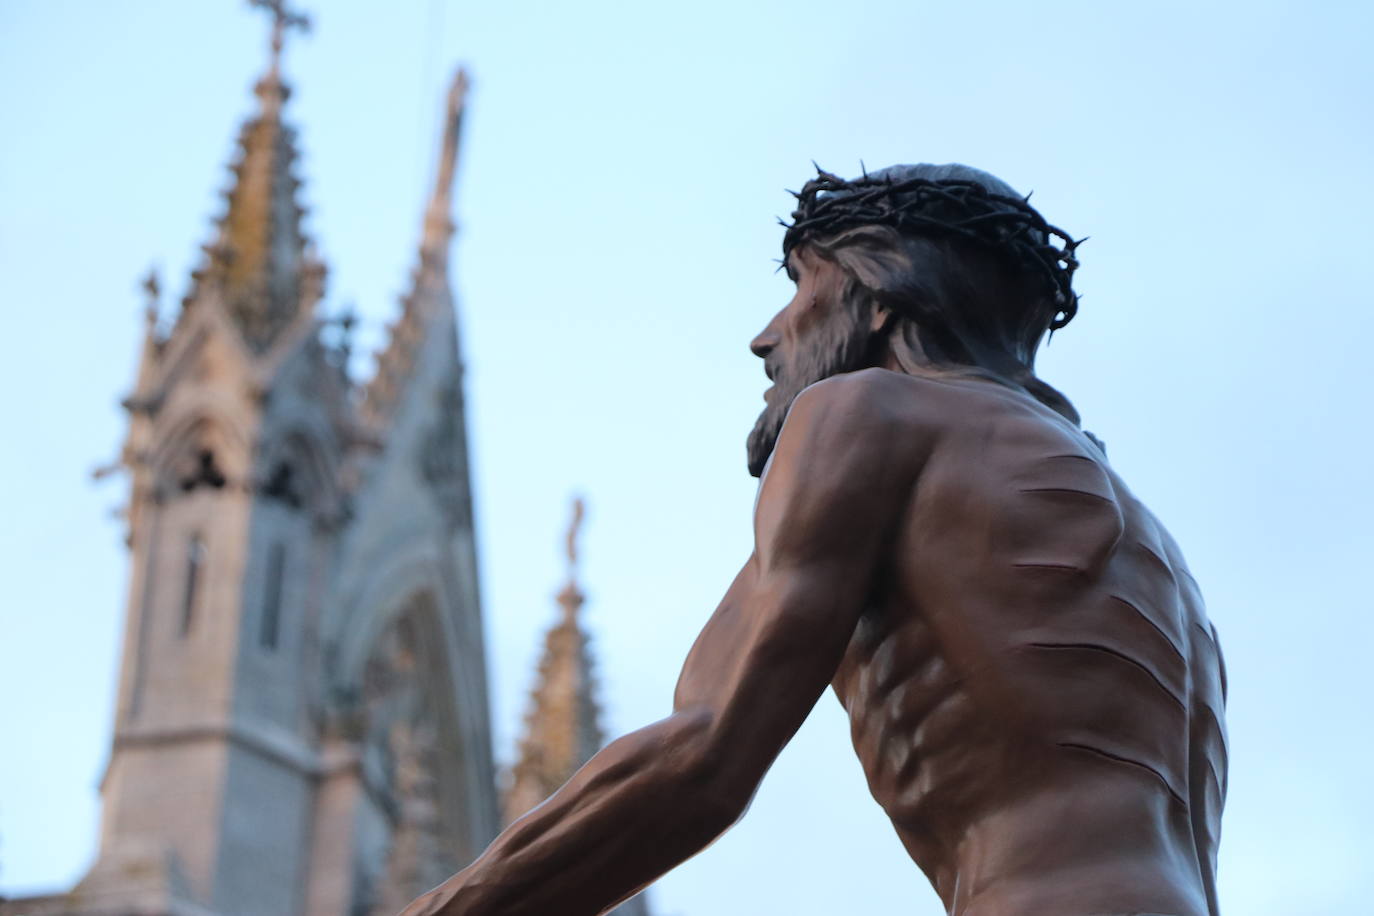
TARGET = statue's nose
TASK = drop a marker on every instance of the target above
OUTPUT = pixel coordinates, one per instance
(765, 342)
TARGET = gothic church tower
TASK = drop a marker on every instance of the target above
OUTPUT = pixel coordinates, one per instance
(302, 714)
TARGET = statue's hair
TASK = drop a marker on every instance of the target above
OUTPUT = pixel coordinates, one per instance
(964, 264)
(944, 202)
(965, 311)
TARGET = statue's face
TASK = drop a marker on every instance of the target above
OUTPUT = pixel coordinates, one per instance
(815, 336)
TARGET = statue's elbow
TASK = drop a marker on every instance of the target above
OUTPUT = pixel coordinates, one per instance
(713, 780)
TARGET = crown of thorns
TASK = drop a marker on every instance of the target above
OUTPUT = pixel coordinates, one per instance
(828, 204)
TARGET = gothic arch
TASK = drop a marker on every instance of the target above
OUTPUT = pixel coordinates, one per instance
(374, 595)
(375, 586)
(182, 445)
(198, 330)
(416, 753)
(297, 466)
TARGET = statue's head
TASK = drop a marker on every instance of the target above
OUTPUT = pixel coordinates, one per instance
(927, 268)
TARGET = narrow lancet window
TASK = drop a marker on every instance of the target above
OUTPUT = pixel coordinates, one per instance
(271, 603)
(195, 562)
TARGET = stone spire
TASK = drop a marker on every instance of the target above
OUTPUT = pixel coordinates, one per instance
(261, 265)
(561, 727)
(429, 288)
(438, 229)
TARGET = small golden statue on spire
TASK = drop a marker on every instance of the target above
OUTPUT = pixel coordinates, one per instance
(282, 19)
(571, 597)
(574, 527)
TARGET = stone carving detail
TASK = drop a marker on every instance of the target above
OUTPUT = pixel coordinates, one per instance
(204, 472)
(416, 861)
(400, 760)
(443, 455)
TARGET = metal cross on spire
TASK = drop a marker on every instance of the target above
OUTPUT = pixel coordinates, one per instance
(282, 19)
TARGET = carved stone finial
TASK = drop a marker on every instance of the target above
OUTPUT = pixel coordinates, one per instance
(347, 322)
(438, 222)
(457, 91)
(152, 307)
(152, 289)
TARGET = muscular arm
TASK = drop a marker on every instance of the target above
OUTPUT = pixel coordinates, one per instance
(657, 796)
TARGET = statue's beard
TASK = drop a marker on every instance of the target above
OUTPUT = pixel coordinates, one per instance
(841, 345)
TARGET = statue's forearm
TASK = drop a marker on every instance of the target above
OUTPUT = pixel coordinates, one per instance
(642, 805)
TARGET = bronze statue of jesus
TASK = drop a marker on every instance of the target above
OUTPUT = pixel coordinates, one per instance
(1035, 692)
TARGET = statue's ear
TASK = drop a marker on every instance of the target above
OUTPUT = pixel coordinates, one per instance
(882, 318)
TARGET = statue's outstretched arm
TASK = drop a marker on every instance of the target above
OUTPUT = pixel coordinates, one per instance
(827, 506)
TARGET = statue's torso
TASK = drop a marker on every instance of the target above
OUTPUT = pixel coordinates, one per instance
(1035, 693)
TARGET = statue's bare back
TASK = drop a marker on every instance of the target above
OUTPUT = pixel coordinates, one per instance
(1023, 688)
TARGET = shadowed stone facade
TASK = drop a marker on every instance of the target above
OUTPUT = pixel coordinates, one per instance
(302, 713)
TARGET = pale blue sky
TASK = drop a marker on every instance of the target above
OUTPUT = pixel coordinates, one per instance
(622, 166)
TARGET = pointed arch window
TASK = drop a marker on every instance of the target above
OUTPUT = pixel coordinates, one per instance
(195, 572)
(270, 630)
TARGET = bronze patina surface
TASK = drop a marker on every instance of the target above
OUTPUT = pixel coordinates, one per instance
(1035, 692)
